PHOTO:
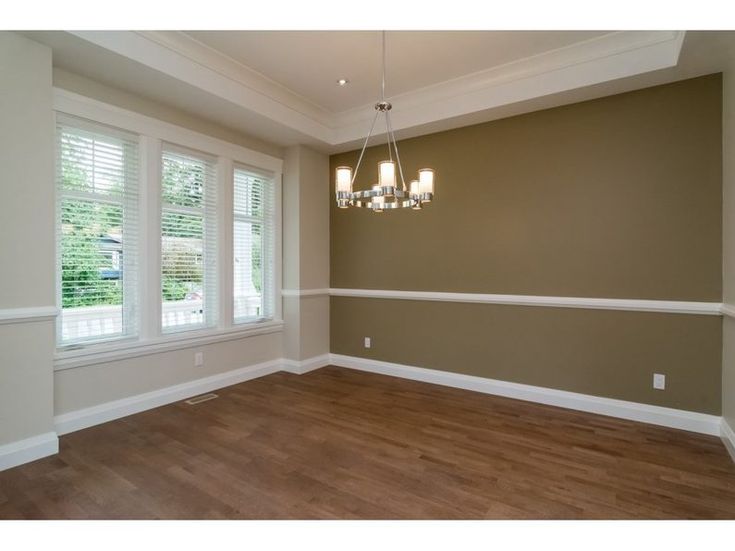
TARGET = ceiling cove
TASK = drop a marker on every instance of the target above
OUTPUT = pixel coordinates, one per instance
(602, 58)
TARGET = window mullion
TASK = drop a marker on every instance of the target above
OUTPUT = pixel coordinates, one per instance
(225, 256)
(150, 238)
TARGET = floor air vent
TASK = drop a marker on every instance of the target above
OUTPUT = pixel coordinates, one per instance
(202, 398)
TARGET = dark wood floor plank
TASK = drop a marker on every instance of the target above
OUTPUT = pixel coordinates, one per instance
(337, 443)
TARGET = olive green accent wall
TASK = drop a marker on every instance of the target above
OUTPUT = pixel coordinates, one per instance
(600, 352)
(619, 197)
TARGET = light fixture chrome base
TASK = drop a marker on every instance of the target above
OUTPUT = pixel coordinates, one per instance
(383, 106)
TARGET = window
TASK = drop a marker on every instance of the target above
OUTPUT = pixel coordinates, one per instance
(253, 239)
(97, 205)
(153, 222)
(188, 240)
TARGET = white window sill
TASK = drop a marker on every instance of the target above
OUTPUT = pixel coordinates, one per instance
(100, 353)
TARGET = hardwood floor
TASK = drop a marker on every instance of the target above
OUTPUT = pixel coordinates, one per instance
(337, 443)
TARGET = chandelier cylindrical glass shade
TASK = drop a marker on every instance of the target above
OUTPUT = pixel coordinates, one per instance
(387, 174)
(426, 184)
(390, 192)
(414, 190)
(343, 186)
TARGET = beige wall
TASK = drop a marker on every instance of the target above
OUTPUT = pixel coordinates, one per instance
(618, 197)
(306, 252)
(151, 108)
(30, 392)
(87, 386)
(92, 385)
(26, 236)
(728, 244)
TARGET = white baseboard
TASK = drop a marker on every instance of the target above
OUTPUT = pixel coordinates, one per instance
(23, 451)
(728, 438)
(43, 445)
(299, 367)
(656, 415)
(87, 417)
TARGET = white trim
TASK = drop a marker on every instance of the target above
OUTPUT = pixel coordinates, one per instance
(645, 413)
(728, 310)
(728, 438)
(102, 413)
(305, 292)
(635, 305)
(185, 59)
(97, 111)
(23, 315)
(299, 367)
(606, 58)
(119, 350)
(30, 449)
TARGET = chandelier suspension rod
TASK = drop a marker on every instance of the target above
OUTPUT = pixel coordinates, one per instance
(392, 136)
(382, 99)
(362, 152)
(382, 88)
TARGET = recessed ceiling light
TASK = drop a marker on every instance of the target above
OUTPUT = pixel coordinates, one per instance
(343, 82)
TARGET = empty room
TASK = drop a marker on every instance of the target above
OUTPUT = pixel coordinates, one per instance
(367, 274)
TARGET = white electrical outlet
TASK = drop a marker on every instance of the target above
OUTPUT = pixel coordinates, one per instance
(368, 343)
(198, 359)
(659, 381)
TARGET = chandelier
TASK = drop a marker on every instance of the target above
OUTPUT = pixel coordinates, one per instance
(388, 193)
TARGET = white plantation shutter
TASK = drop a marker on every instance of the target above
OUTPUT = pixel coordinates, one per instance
(254, 245)
(97, 231)
(188, 240)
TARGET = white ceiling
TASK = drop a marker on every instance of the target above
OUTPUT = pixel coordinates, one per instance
(280, 86)
(310, 62)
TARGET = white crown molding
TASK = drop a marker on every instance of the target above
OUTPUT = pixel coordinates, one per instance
(601, 59)
(193, 49)
(27, 450)
(608, 57)
(633, 411)
(181, 59)
(728, 310)
(24, 315)
(728, 438)
(633, 305)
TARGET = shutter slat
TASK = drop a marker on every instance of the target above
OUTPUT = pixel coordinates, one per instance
(253, 243)
(97, 239)
(188, 241)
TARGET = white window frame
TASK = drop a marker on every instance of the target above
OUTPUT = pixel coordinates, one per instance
(130, 305)
(265, 223)
(153, 133)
